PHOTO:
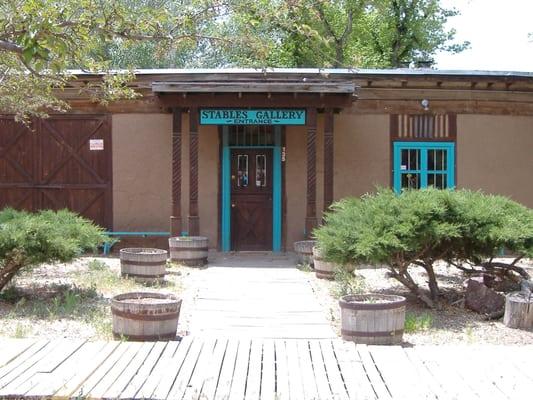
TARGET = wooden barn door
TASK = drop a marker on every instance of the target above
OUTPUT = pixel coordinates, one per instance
(65, 162)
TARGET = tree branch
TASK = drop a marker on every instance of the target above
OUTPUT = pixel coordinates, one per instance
(11, 47)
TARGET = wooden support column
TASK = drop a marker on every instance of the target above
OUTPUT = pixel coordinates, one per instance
(310, 217)
(194, 219)
(328, 159)
(175, 219)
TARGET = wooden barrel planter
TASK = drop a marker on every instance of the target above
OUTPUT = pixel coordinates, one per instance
(144, 316)
(189, 250)
(372, 318)
(304, 251)
(518, 311)
(325, 269)
(144, 265)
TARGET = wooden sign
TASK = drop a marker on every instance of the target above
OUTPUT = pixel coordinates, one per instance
(281, 116)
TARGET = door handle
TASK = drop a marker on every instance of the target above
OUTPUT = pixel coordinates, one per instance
(232, 205)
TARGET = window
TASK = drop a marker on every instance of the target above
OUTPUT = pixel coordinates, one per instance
(418, 165)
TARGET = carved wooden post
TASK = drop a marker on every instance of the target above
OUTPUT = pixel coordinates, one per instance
(175, 219)
(194, 219)
(310, 218)
(328, 159)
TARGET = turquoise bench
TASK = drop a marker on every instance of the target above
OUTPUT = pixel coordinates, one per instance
(109, 244)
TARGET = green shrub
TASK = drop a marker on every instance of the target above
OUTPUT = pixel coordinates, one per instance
(28, 239)
(420, 227)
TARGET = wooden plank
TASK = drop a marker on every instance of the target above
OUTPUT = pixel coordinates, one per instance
(282, 371)
(332, 369)
(450, 380)
(296, 389)
(255, 87)
(253, 382)
(425, 377)
(214, 370)
(114, 372)
(26, 367)
(306, 368)
(201, 370)
(50, 383)
(30, 378)
(144, 371)
(397, 372)
(98, 374)
(22, 358)
(60, 355)
(226, 372)
(353, 374)
(240, 374)
(187, 368)
(498, 370)
(13, 348)
(164, 373)
(131, 369)
(319, 370)
(464, 360)
(378, 385)
(268, 378)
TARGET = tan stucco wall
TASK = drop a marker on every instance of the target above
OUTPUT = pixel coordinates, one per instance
(495, 154)
(141, 171)
(295, 182)
(362, 152)
(361, 161)
(208, 183)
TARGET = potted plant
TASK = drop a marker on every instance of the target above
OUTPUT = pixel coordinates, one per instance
(372, 318)
(304, 250)
(325, 269)
(189, 250)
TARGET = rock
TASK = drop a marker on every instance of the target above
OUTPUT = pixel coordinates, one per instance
(482, 299)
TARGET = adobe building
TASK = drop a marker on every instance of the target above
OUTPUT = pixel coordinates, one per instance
(252, 158)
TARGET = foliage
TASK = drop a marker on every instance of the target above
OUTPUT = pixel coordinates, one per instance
(28, 239)
(416, 323)
(40, 40)
(420, 227)
(346, 283)
(342, 33)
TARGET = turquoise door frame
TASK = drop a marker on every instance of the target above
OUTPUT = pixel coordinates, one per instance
(225, 240)
(424, 171)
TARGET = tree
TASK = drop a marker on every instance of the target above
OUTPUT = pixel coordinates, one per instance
(348, 33)
(29, 239)
(40, 40)
(420, 227)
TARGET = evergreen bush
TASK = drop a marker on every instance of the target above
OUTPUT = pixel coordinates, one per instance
(465, 228)
(28, 239)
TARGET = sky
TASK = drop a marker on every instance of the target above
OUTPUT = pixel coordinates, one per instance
(498, 33)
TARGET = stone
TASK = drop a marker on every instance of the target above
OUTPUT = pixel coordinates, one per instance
(482, 299)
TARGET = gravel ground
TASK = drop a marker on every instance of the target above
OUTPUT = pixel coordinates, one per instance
(451, 324)
(73, 300)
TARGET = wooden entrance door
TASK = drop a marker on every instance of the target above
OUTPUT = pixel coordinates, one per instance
(58, 164)
(251, 199)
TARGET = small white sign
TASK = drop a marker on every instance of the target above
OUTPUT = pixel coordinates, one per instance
(403, 167)
(96, 144)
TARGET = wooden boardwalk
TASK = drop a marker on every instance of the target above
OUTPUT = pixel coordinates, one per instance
(204, 368)
(255, 296)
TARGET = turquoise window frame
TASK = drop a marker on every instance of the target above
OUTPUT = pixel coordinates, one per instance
(424, 148)
(225, 240)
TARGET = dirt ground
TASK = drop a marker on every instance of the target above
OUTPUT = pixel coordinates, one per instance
(451, 324)
(73, 301)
